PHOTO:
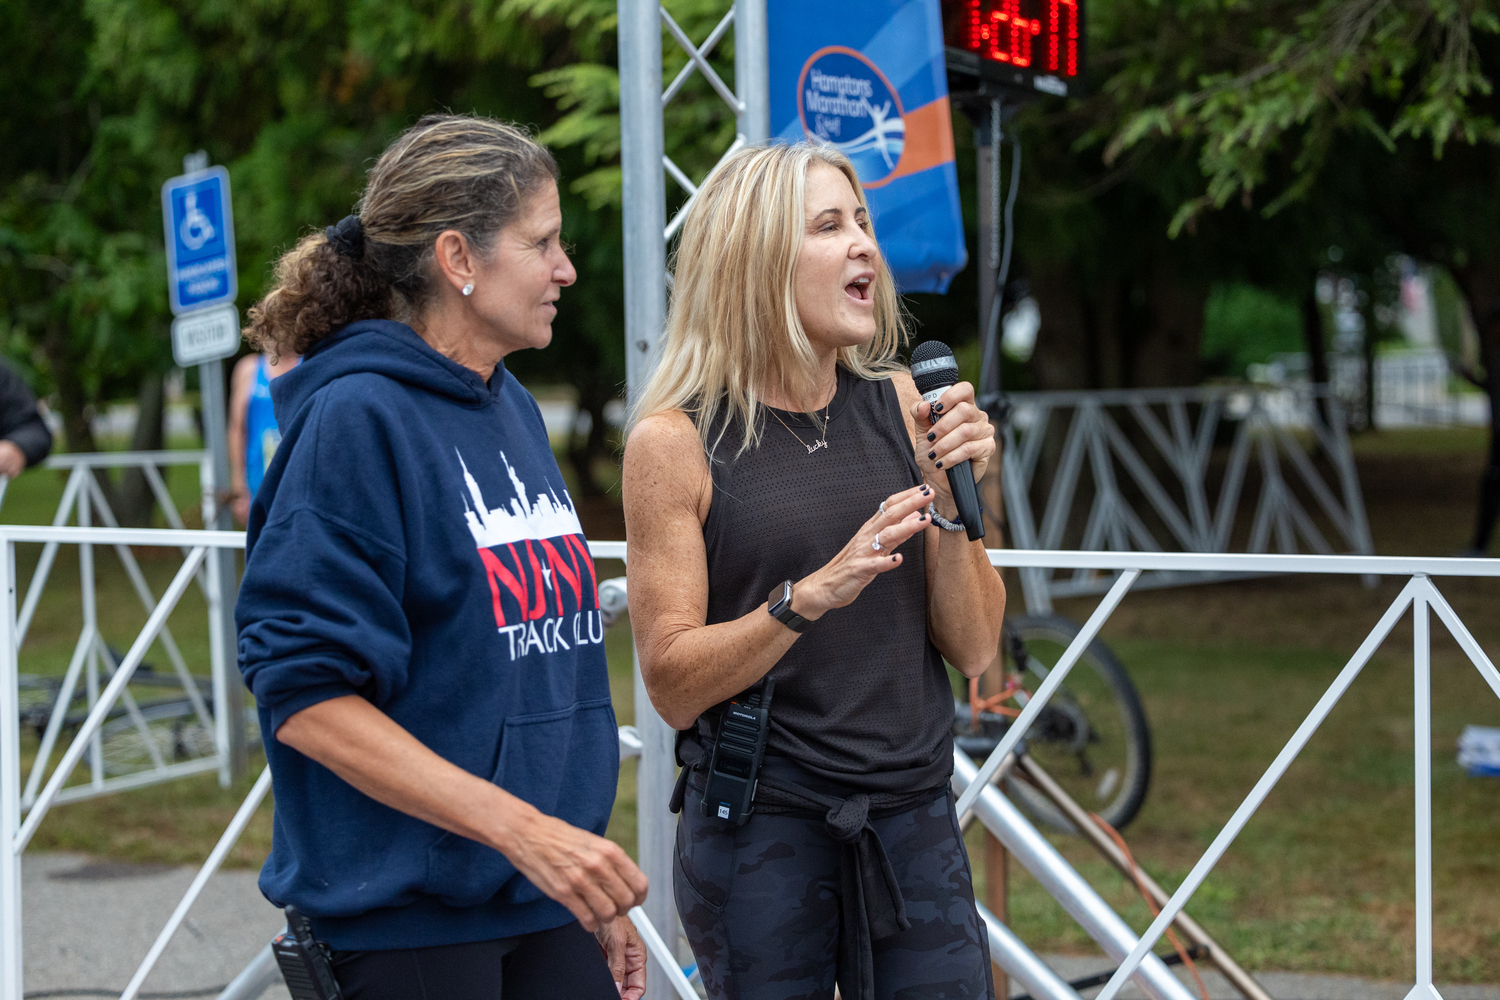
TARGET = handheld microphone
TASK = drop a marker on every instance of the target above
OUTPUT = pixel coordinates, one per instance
(933, 369)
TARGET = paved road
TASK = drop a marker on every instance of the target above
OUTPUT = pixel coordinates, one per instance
(88, 924)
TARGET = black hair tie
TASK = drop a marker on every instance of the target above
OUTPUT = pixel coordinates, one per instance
(348, 237)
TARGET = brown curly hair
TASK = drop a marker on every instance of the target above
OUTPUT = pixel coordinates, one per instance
(460, 172)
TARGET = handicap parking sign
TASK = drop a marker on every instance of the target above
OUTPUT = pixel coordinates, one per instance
(200, 240)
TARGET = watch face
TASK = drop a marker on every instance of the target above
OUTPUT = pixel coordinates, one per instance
(779, 603)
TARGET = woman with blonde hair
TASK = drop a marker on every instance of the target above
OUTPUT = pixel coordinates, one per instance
(795, 568)
(418, 618)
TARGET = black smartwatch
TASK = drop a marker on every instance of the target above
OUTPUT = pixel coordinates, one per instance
(779, 604)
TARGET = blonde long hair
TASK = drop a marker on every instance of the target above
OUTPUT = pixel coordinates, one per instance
(732, 326)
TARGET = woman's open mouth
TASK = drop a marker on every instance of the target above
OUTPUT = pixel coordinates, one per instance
(859, 289)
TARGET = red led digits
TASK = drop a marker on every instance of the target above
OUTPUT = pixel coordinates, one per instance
(1021, 31)
(1002, 31)
(1062, 36)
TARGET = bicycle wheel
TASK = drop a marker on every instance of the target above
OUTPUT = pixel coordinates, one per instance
(38, 696)
(175, 730)
(1092, 737)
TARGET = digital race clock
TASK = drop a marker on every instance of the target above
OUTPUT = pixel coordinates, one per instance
(1035, 44)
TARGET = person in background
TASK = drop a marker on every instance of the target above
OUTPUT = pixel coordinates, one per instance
(24, 437)
(253, 434)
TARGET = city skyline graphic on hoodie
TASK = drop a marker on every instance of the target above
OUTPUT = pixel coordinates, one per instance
(542, 583)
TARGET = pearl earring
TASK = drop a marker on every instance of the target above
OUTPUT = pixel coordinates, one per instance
(469, 288)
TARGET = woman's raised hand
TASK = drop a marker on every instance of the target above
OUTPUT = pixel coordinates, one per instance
(869, 553)
(962, 432)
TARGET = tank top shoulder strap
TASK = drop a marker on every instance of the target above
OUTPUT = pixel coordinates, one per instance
(891, 399)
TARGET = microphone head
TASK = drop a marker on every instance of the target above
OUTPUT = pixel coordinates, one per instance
(933, 366)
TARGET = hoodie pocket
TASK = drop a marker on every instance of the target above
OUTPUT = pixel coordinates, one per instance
(566, 763)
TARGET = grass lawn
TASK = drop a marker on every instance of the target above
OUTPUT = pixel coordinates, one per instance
(1321, 880)
(1322, 877)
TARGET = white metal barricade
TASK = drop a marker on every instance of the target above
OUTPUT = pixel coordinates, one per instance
(1420, 595)
(1103, 434)
(85, 500)
(16, 833)
(977, 793)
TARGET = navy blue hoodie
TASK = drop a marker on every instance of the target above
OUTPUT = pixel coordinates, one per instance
(413, 543)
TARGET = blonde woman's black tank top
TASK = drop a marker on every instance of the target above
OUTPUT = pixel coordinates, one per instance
(862, 697)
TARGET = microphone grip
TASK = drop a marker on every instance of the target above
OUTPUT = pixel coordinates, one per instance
(966, 498)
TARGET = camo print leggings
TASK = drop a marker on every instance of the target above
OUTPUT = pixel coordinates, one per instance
(760, 904)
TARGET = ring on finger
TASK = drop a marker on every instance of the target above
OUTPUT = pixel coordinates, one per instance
(876, 543)
(882, 510)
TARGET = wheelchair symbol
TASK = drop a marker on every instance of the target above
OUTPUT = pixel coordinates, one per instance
(196, 228)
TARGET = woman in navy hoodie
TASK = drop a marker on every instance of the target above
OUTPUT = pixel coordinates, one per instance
(419, 620)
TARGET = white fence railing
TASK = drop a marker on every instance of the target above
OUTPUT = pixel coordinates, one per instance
(16, 833)
(1420, 595)
(1413, 388)
(974, 785)
(130, 754)
(1146, 456)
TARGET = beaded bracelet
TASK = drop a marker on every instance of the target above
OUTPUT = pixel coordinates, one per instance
(941, 521)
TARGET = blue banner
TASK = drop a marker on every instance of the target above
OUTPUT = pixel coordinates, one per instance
(868, 76)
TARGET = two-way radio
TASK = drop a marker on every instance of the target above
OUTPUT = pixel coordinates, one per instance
(734, 769)
(305, 963)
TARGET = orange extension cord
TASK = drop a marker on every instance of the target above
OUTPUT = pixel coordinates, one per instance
(1135, 871)
(993, 704)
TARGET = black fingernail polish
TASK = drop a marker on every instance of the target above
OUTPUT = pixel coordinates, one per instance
(940, 465)
(893, 558)
(932, 436)
(932, 454)
(937, 407)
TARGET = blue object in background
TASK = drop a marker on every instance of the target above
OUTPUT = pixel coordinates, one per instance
(200, 240)
(869, 77)
(1479, 751)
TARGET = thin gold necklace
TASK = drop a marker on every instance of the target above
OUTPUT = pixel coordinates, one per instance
(821, 443)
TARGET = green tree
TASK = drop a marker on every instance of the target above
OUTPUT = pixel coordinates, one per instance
(1375, 112)
(77, 265)
(296, 99)
(1122, 301)
(1219, 141)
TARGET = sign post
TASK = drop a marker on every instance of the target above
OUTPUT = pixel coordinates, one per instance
(1001, 54)
(206, 336)
(202, 282)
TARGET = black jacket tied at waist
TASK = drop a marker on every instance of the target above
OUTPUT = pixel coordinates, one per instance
(870, 904)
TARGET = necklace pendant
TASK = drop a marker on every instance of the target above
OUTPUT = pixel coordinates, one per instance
(816, 445)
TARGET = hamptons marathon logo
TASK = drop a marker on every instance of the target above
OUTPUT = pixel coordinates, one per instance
(541, 578)
(844, 99)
